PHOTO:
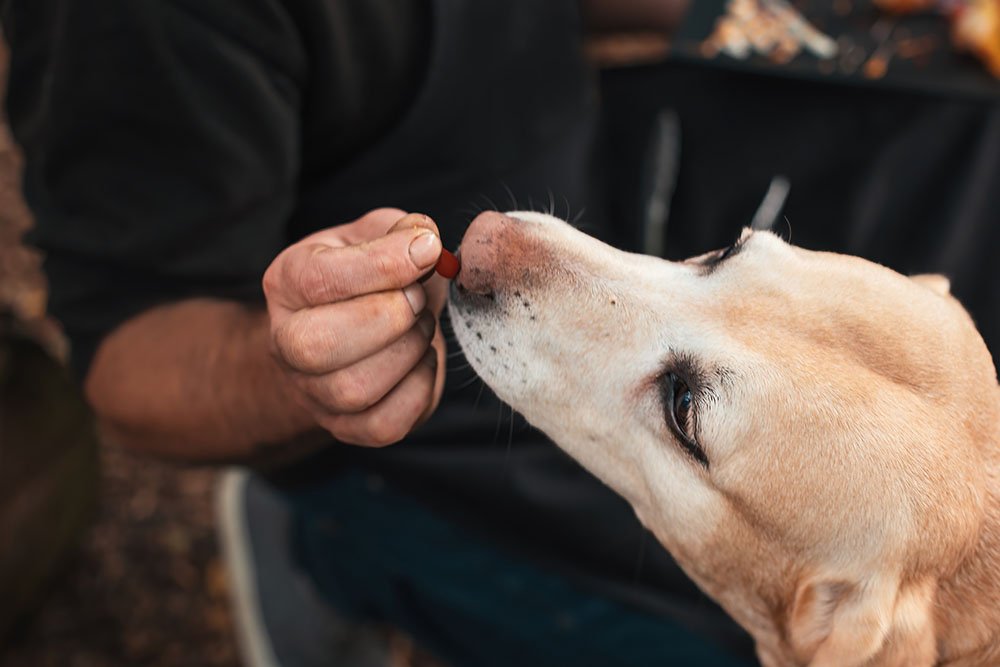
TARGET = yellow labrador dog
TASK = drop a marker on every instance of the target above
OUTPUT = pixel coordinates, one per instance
(815, 438)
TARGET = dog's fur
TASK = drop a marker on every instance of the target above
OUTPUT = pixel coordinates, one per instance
(849, 513)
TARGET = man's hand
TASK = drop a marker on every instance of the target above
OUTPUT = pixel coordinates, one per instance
(355, 329)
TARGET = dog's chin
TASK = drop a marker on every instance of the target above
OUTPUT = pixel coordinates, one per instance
(477, 321)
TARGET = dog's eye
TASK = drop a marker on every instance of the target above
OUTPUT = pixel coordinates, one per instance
(682, 406)
(682, 400)
(681, 403)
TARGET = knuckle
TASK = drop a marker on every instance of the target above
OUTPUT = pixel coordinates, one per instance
(389, 312)
(385, 432)
(339, 428)
(351, 393)
(291, 346)
(318, 278)
(270, 282)
(397, 313)
(390, 264)
(313, 280)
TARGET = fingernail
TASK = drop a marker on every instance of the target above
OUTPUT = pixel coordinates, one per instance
(430, 358)
(416, 296)
(427, 325)
(425, 249)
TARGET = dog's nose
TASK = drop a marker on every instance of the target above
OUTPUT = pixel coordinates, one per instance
(483, 251)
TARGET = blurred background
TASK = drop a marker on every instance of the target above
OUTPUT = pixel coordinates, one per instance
(108, 559)
(105, 558)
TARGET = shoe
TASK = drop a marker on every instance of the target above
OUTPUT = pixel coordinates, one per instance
(280, 619)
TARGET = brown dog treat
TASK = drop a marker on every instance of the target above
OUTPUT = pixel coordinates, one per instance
(448, 265)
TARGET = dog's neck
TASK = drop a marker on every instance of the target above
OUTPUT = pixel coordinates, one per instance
(968, 604)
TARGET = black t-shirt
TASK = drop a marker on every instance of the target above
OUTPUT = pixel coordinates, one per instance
(167, 143)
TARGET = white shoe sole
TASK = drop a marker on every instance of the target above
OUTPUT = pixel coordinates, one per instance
(253, 641)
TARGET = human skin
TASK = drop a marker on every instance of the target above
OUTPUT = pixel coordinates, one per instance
(349, 344)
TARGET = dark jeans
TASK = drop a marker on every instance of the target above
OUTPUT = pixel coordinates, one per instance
(376, 554)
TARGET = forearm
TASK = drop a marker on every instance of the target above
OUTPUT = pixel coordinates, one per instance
(634, 15)
(194, 381)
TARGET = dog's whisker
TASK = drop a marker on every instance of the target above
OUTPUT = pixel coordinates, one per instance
(472, 210)
(552, 202)
(479, 396)
(513, 199)
(496, 432)
(468, 383)
(492, 204)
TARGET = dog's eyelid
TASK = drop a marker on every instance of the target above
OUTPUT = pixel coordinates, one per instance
(712, 262)
(682, 373)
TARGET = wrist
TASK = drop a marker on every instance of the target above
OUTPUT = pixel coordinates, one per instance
(273, 387)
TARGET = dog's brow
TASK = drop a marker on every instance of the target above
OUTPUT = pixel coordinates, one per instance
(713, 262)
(725, 375)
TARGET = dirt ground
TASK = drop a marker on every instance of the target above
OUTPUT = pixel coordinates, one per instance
(147, 587)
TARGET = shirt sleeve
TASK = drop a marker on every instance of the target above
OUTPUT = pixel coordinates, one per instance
(161, 146)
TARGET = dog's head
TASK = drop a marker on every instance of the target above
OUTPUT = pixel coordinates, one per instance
(802, 430)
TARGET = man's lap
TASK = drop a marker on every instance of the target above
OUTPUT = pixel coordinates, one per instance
(376, 554)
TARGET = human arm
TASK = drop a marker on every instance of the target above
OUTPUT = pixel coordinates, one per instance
(194, 380)
(163, 169)
(343, 351)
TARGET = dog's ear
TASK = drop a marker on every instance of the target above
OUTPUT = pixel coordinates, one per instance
(839, 623)
(934, 282)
